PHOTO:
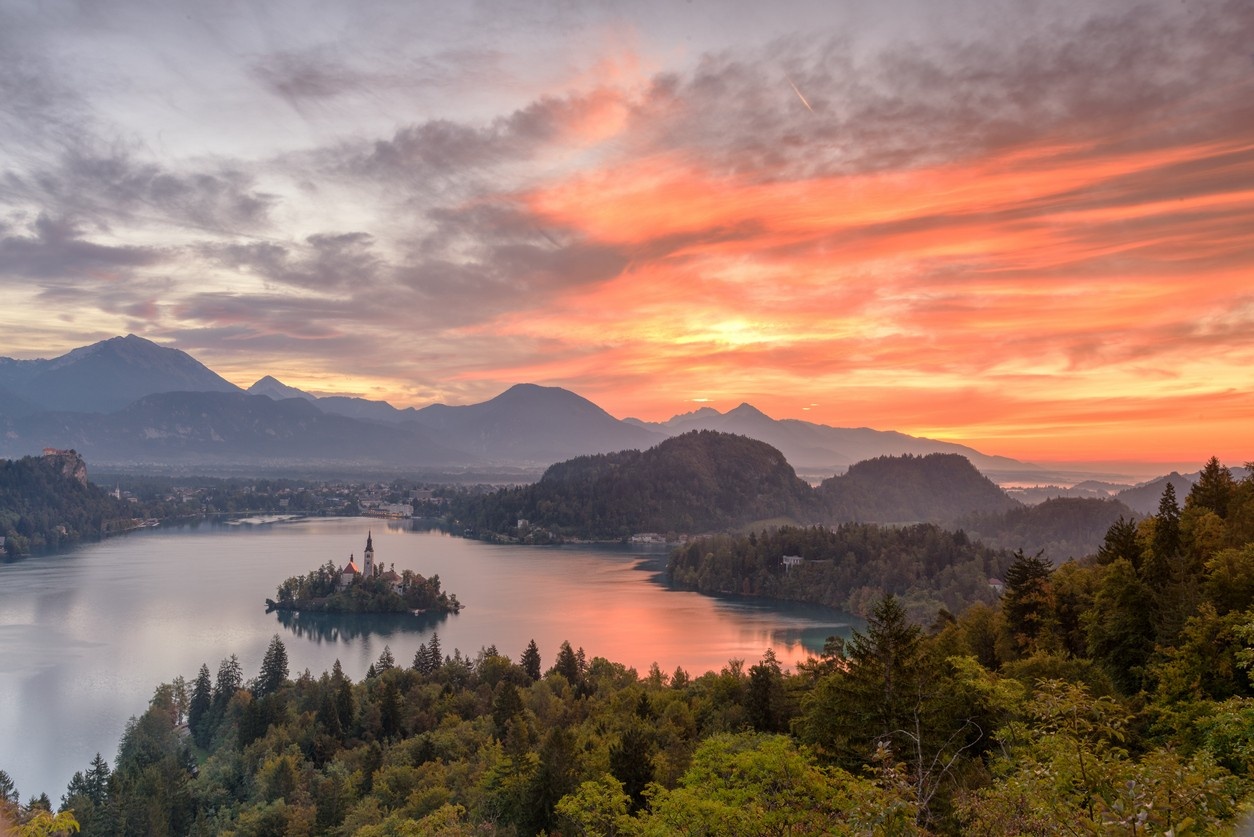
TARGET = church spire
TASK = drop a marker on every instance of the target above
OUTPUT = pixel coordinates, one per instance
(368, 558)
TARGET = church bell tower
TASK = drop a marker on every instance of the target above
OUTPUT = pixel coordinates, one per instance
(367, 569)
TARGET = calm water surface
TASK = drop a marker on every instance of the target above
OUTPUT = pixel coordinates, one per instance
(86, 636)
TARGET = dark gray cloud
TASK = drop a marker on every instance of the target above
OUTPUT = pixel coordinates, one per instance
(116, 186)
(54, 252)
(1140, 77)
(323, 262)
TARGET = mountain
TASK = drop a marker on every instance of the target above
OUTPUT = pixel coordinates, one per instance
(1143, 498)
(272, 387)
(936, 488)
(526, 427)
(108, 375)
(340, 405)
(229, 429)
(698, 482)
(818, 447)
(532, 425)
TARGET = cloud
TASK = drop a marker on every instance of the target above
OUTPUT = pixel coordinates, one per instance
(56, 254)
(315, 73)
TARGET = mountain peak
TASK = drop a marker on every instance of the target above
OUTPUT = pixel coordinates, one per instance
(272, 387)
(747, 410)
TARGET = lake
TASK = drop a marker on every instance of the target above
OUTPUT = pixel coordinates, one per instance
(86, 635)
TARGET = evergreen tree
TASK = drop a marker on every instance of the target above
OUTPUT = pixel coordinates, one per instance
(631, 762)
(199, 706)
(877, 692)
(422, 659)
(505, 706)
(8, 790)
(1121, 542)
(765, 698)
(567, 664)
(1165, 547)
(530, 661)
(1213, 490)
(1120, 625)
(230, 679)
(273, 669)
(385, 662)
(1027, 602)
(437, 653)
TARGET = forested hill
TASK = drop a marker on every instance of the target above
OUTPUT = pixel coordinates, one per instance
(702, 481)
(936, 488)
(849, 567)
(46, 501)
(1061, 528)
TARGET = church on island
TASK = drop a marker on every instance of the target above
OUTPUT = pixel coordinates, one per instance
(352, 573)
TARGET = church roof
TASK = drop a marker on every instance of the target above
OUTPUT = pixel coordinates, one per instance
(391, 575)
(351, 567)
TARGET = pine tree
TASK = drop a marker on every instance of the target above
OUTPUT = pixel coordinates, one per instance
(1213, 490)
(8, 790)
(1120, 542)
(199, 706)
(385, 662)
(230, 678)
(273, 669)
(1165, 547)
(422, 659)
(566, 664)
(530, 661)
(1027, 603)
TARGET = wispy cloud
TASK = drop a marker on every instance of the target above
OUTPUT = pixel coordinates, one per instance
(1028, 223)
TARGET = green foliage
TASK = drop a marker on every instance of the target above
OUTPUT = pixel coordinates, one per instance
(320, 591)
(936, 488)
(849, 567)
(697, 482)
(1100, 722)
(1060, 528)
(1028, 601)
(273, 669)
(751, 784)
(42, 506)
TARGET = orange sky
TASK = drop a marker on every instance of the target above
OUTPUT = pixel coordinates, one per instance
(1028, 230)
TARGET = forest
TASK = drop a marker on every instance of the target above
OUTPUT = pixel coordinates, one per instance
(1109, 695)
(42, 507)
(697, 482)
(848, 567)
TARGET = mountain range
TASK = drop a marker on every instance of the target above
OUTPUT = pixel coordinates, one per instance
(127, 402)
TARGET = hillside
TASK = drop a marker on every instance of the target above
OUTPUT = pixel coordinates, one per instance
(936, 488)
(698, 482)
(1062, 528)
(46, 502)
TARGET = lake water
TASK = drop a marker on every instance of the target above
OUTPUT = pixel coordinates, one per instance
(86, 636)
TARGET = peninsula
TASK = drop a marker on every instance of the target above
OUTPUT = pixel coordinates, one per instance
(364, 589)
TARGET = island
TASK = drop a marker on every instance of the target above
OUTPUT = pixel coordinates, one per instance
(365, 589)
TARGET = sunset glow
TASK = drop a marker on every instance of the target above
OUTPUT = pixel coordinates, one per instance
(1036, 239)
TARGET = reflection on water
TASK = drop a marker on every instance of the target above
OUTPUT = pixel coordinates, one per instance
(85, 636)
(343, 627)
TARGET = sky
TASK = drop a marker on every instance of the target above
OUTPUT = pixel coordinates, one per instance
(1027, 226)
